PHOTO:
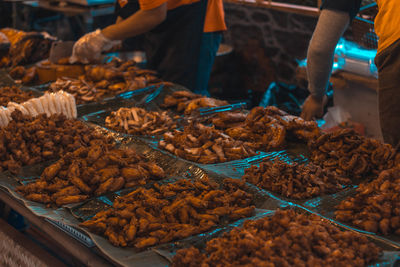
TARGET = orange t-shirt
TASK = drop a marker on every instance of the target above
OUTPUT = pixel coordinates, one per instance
(215, 16)
(387, 23)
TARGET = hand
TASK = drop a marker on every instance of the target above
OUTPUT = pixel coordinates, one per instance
(89, 47)
(313, 107)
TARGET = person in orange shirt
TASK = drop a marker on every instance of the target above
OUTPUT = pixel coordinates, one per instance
(181, 37)
(387, 61)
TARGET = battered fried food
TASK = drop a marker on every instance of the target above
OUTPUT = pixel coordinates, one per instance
(376, 206)
(138, 121)
(297, 181)
(78, 176)
(352, 155)
(285, 239)
(27, 140)
(269, 128)
(26, 47)
(107, 80)
(206, 145)
(14, 94)
(146, 217)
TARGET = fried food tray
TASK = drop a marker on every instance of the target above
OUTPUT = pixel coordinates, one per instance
(323, 206)
(88, 209)
(71, 215)
(388, 258)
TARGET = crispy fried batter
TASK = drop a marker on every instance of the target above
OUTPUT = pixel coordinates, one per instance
(138, 121)
(195, 144)
(146, 217)
(297, 181)
(284, 239)
(376, 206)
(352, 155)
(78, 176)
(27, 140)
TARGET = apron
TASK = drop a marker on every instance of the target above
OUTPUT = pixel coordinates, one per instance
(173, 47)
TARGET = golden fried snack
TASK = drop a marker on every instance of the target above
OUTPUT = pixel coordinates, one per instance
(25, 47)
(285, 239)
(297, 181)
(179, 97)
(352, 155)
(138, 121)
(14, 94)
(269, 128)
(107, 80)
(146, 217)
(29, 140)
(91, 171)
(225, 120)
(376, 206)
(206, 145)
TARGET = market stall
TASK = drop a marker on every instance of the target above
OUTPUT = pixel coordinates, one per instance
(117, 167)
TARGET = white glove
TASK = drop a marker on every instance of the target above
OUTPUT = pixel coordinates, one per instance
(89, 47)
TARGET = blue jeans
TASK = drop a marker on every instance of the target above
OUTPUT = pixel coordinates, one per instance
(208, 50)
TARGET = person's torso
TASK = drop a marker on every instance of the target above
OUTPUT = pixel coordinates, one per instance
(387, 23)
(214, 20)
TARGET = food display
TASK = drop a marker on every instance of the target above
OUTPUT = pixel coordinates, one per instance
(14, 94)
(28, 140)
(105, 81)
(138, 121)
(186, 102)
(225, 120)
(25, 47)
(376, 206)
(163, 213)
(352, 155)
(285, 239)
(24, 75)
(204, 144)
(269, 129)
(49, 104)
(297, 181)
(91, 171)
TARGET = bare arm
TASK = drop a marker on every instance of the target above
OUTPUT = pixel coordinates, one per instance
(140, 22)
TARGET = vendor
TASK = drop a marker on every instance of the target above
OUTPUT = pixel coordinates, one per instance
(388, 63)
(181, 37)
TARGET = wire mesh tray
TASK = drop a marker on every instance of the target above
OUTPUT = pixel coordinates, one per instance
(388, 258)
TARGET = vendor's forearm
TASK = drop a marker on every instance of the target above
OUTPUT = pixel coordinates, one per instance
(330, 27)
(140, 22)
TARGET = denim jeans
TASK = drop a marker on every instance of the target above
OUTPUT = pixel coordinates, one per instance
(208, 50)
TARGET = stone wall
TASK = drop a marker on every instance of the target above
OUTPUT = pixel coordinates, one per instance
(282, 36)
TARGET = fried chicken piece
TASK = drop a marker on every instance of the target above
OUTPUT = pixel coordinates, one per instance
(43, 198)
(65, 200)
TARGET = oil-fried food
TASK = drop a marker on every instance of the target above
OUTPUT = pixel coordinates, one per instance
(14, 94)
(297, 181)
(107, 80)
(146, 217)
(27, 140)
(76, 177)
(350, 154)
(203, 144)
(285, 239)
(376, 206)
(270, 128)
(138, 121)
